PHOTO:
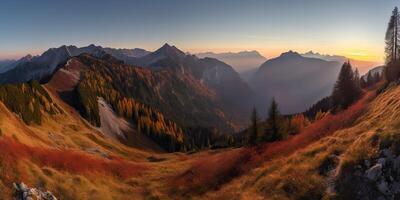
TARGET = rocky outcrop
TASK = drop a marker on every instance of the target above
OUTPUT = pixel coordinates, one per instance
(375, 178)
(23, 192)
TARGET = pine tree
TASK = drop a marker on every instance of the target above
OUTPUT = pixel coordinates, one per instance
(391, 38)
(273, 129)
(392, 69)
(357, 78)
(346, 90)
(377, 77)
(253, 130)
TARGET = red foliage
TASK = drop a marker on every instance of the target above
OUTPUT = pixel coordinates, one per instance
(212, 171)
(65, 160)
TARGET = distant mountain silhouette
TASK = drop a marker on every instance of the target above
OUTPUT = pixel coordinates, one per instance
(378, 69)
(295, 81)
(41, 67)
(244, 62)
(363, 66)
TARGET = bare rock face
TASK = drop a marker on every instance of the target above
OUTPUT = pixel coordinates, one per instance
(376, 178)
(23, 192)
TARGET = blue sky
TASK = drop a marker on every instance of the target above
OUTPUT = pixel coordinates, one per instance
(354, 28)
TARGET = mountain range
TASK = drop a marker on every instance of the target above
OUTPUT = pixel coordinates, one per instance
(214, 88)
(290, 78)
(244, 62)
(363, 66)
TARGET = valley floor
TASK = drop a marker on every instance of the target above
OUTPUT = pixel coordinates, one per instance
(70, 158)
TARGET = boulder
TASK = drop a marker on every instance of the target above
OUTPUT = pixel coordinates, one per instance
(374, 172)
(23, 192)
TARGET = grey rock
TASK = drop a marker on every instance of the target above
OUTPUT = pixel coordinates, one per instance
(374, 172)
(22, 187)
(24, 195)
(23, 192)
(383, 187)
(396, 187)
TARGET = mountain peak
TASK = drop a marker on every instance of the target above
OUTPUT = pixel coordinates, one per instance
(327, 57)
(290, 54)
(311, 52)
(166, 45)
(169, 50)
(27, 57)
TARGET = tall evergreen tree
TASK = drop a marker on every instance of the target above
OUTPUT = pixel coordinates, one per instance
(357, 78)
(377, 77)
(346, 90)
(392, 69)
(273, 129)
(253, 130)
(391, 37)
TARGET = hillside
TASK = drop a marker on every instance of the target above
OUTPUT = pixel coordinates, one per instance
(58, 152)
(313, 161)
(360, 156)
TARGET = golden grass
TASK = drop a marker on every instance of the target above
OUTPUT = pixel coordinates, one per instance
(297, 176)
(293, 175)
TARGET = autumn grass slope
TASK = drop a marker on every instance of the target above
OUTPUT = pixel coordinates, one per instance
(70, 157)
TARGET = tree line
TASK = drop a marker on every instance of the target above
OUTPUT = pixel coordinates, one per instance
(28, 101)
(275, 127)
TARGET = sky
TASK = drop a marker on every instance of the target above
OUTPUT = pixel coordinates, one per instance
(353, 28)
